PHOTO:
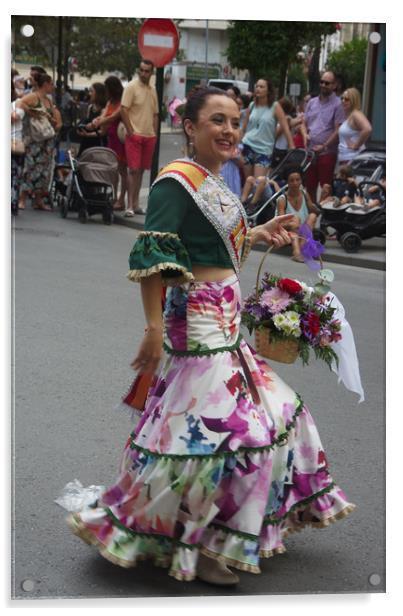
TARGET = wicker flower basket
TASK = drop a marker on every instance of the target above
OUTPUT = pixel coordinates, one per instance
(284, 351)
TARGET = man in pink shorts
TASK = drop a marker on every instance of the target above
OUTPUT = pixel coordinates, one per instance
(139, 113)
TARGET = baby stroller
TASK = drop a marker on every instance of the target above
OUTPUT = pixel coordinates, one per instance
(354, 223)
(369, 165)
(265, 208)
(91, 189)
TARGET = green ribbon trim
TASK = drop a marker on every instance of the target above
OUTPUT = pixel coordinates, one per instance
(224, 454)
(275, 521)
(157, 536)
(201, 352)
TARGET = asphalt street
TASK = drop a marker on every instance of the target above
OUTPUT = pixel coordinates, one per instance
(78, 322)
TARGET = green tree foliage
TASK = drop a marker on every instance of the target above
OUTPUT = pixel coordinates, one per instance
(103, 44)
(39, 48)
(100, 44)
(268, 47)
(349, 61)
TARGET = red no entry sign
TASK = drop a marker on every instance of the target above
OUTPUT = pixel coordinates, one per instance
(158, 41)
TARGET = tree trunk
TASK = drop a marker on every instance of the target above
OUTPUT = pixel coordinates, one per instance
(313, 73)
(282, 81)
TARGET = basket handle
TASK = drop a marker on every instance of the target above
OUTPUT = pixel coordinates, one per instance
(260, 269)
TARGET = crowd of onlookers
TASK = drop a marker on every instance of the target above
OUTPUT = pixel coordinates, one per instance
(332, 126)
(89, 119)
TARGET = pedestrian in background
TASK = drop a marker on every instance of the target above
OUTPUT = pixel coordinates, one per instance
(39, 149)
(260, 129)
(108, 123)
(323, 116)
(89, 135)
(17, 149)
(139, 112)
(355, 130)
(296, 201)
(231, 169)
(19, 86)
(293, 120)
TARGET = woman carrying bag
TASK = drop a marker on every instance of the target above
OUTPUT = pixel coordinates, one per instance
(42, 124)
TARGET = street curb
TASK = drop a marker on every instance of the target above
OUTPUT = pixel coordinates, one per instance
(347, 259)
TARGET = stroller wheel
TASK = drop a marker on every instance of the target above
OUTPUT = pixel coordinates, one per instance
(83, 215)
(351, 241)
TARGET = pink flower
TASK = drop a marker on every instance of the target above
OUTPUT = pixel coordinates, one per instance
(275, 299)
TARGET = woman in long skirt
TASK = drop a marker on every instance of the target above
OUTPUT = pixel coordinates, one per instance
(225, 460)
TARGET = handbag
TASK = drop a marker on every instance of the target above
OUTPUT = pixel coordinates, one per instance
(41, 129)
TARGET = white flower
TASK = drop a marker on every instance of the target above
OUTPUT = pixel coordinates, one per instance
(288, 322)
(279, 321)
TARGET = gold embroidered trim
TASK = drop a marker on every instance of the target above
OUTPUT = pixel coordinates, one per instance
(247, 246)
(229, 561)
(273, 552)
(138, 274)
(80, 530)
(323, 523)
(159, 234)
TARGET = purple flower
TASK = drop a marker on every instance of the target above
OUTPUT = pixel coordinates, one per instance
(311, 249)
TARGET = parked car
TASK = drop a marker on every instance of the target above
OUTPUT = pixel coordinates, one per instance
(224, 84)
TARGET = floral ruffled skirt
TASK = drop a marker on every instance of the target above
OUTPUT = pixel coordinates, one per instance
(226, 459)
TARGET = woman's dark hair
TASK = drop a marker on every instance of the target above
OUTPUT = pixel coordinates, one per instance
(38, 69)
(245, 100)
(42, 78)
(114, 88)
(288, 170)
(235, 89)
(100, 94)
(271, 91)
(196, 100)
(286, 105)
(13, 92)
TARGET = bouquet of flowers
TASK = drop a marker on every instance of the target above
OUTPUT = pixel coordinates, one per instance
(290, 318)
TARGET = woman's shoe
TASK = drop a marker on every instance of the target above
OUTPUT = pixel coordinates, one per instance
(298, 258)
(214, 572)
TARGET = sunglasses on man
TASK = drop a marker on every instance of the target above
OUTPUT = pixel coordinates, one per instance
(325, 83)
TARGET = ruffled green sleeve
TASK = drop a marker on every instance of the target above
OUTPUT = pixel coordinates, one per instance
(159, 248)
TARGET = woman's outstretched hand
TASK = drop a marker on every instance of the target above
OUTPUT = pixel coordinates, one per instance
(150, 352)
(275, 231)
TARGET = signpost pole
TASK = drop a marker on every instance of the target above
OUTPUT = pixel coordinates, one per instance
(160, 90)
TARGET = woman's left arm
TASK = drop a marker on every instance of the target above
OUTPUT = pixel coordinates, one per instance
(312, 209)
(360, 123)
(282, 120)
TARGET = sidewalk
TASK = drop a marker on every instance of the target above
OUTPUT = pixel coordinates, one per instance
(372, 254)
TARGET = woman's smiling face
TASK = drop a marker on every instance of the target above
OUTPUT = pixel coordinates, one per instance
(216, 131)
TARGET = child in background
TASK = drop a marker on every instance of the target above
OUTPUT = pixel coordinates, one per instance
(343, 189)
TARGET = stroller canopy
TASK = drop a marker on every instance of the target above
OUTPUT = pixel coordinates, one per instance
(98, 165)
